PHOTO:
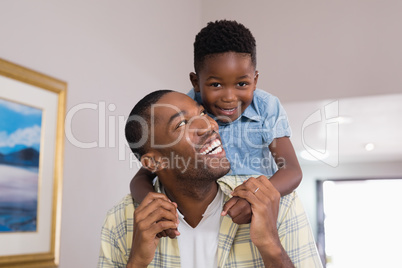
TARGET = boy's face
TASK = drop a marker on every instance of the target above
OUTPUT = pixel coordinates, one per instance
(226, 82)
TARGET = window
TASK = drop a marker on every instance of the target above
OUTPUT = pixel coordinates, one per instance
(360, 222)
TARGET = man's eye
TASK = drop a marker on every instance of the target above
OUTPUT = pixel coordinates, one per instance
(182, 123)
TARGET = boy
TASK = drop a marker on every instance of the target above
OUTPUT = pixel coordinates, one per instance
(252, 123)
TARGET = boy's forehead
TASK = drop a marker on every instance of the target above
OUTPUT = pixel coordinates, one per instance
(228, 54)
(215, 61)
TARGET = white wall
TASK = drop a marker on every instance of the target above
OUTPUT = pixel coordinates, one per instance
(107, 51)
(314, 49)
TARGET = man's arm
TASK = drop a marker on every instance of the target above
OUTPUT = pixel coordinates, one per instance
(140, 186)
(155, 214)
(293, 231)
(264, 200)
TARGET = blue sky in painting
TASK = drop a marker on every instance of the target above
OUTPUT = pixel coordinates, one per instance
(20, 126)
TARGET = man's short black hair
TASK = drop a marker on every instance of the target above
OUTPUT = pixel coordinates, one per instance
(223, 36)
(137, 125)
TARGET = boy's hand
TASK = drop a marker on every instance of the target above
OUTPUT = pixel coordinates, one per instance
(238, 209)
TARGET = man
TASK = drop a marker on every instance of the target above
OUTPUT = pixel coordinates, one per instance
(173, 137)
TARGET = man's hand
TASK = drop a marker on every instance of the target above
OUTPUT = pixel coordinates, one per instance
(238, 209)
(155, 214)
(171, 233)
(264, 200)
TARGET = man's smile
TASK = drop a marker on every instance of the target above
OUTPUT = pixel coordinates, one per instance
(214, 147)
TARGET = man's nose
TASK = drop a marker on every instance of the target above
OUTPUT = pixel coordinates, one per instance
(204, 124)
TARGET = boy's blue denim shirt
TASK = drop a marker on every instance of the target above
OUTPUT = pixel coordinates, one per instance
(246, 139)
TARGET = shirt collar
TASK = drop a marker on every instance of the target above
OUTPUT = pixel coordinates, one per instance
(251, 112)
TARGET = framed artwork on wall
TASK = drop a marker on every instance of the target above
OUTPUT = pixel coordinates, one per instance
(32, 109)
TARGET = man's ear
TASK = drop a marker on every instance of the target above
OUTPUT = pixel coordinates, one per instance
(150, 162)
(194, 81)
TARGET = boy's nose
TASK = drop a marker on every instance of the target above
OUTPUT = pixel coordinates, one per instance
(229, 95)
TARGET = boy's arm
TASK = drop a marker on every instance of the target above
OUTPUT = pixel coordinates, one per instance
(141, 184)
(289, 173)
(285, 180)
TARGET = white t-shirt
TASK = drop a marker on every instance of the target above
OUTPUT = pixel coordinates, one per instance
(199, 246)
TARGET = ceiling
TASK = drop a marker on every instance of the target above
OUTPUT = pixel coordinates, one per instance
(337, 130)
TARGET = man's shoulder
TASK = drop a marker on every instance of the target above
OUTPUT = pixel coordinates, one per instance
(127, 200)
(291, 209)
(289, 199)
(122, 210)
(231, 181)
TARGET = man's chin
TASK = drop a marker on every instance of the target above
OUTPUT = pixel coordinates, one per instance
(219, 169)
(225, 172)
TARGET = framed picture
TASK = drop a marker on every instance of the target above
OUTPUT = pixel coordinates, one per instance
(32, 109)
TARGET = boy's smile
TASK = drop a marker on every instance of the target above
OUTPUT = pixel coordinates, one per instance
(226, 82)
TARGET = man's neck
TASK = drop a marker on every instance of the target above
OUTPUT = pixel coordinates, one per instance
(192, 203)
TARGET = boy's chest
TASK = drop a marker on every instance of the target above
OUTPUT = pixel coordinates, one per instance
(242, 134)
(247, 148)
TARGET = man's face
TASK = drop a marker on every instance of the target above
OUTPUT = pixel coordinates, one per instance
(227, 82)
(187, 139)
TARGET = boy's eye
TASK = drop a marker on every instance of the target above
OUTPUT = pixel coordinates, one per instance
(215, 85)
(203, 113)
(242, 84)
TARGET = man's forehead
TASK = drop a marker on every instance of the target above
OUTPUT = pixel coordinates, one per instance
(176, 99)
(173, 103)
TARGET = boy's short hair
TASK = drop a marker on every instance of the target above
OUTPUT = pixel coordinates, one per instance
(223, 36)
(138, 124)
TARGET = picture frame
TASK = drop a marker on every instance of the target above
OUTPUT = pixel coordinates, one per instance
(30, 238)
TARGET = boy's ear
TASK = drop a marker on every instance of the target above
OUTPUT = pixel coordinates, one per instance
(150, 162)
(257, 74)
(194, 81)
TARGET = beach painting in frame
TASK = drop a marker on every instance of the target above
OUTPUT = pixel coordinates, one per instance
(20, 136)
